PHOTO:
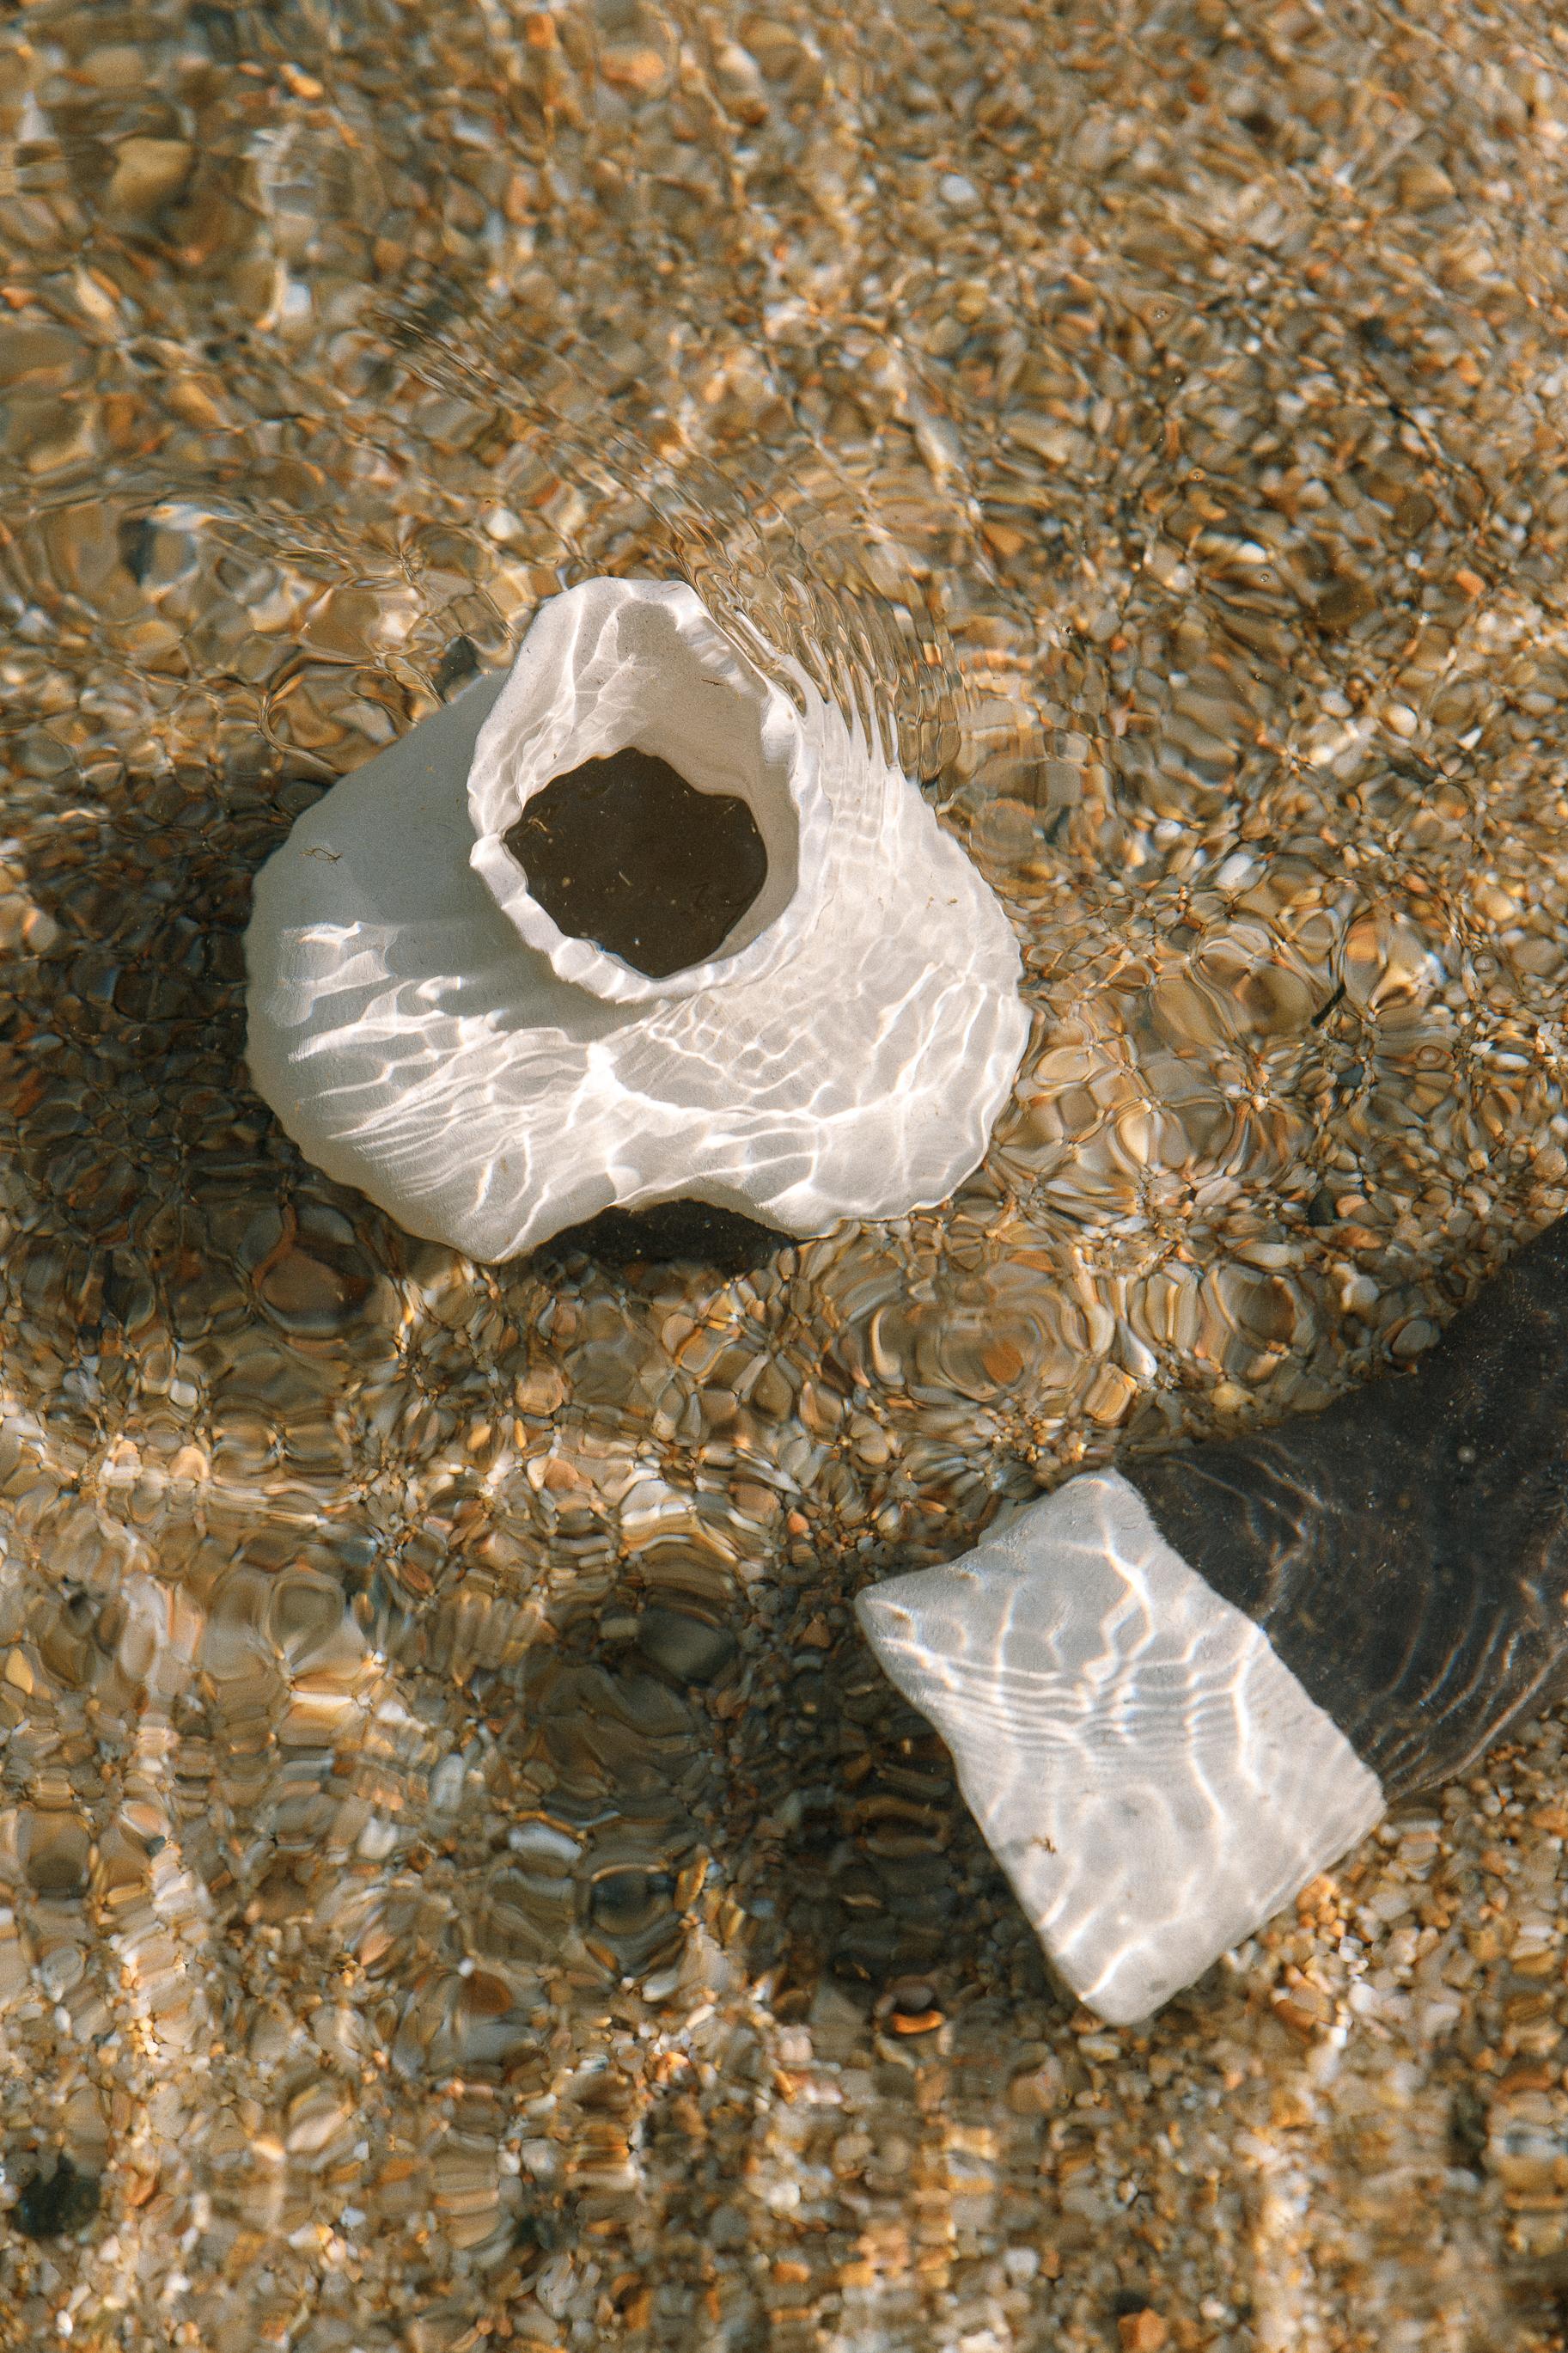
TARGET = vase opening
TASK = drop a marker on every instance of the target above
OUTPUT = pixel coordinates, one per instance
(624, 852)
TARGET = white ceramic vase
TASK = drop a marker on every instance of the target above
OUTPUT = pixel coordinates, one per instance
(426, 1031)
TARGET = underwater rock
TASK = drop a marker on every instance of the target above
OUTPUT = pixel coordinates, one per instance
(1174, 1694)
(426, 1030)
(1151, 1778)
(56, 2204)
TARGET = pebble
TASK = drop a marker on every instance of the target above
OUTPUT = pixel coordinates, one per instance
(148, 173)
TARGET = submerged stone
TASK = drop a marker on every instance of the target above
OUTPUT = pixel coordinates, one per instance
(1406, 1551)
(54, 2205)
(688, 1647)
(1151, 1778)
(1174, 1696)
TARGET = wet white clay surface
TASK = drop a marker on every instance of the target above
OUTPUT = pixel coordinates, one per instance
(426, 1031)
(1153, 1779)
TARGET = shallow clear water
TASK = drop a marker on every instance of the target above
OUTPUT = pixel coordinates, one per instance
(459, 1861)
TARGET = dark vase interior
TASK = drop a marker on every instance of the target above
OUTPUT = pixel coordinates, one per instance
(624, 852)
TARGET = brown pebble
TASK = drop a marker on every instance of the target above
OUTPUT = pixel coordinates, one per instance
(1143, 2332)
(148, 173)
(1037, 2091)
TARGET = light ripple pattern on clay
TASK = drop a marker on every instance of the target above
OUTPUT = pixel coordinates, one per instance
(425, 1032)
(1152, 1778)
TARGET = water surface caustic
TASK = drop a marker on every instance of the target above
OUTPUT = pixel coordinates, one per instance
(412, 1913)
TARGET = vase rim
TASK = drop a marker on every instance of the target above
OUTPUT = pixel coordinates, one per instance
(785, 746)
